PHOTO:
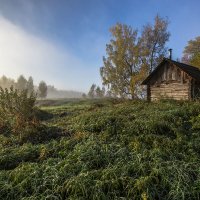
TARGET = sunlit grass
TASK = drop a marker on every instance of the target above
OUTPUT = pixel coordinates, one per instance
(113, 150)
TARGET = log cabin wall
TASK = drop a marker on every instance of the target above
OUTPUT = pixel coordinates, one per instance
(176, 91)
(170, 82)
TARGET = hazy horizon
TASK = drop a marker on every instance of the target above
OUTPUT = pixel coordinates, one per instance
(63, 43)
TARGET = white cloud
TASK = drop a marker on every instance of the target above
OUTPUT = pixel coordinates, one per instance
(24, 53)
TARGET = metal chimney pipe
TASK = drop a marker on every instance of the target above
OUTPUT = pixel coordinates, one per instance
(170, 53)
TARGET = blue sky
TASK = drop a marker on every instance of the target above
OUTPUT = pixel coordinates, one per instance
(63, 41)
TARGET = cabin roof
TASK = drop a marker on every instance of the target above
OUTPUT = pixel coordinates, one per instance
(192, 71)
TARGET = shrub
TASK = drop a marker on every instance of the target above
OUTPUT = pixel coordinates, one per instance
(16, 111)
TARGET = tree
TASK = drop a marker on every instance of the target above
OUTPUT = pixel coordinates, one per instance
(91, 93)
(6, 82)
(21, 83)
(131, 58)
(100, 93)
(122, 64)
(108, 94)
(103, 91)
(195, 60)
(42, 89)
(191, 54)
(153, 41)
(84, 96)
(30, 85)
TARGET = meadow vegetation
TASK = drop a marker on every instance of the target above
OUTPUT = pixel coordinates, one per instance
(105, 149)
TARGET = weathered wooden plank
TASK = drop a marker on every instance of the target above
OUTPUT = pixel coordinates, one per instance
(170, 91)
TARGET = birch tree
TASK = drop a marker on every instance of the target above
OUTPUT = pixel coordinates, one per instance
(130, 58)
(153, 43)
(121, 64)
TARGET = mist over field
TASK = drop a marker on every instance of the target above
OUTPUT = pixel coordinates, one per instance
(63, 45)
(25, 53)
(28, 84)
(53, 93)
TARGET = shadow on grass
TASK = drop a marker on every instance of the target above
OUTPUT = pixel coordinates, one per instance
(43, 115)
(28, 147)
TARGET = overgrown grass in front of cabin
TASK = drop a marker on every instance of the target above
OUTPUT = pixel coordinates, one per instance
(107, 149)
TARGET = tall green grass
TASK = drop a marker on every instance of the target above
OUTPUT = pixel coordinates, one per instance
(110, 150)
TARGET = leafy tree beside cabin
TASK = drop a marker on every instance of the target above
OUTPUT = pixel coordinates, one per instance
(191, 54)
(131, 58)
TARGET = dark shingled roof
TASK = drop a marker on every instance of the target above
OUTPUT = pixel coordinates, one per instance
(192, 71)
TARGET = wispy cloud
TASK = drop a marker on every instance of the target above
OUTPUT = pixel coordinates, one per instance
(24, 53)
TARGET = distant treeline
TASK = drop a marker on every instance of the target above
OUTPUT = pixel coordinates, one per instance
(21, 83)
(43, 90)
(54, 93)
(97, 92)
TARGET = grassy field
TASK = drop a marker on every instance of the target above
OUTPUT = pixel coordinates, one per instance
(106, 149)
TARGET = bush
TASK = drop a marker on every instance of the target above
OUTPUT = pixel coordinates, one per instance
(16, 111)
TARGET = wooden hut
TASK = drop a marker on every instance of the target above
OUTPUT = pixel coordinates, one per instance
(173, 80)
